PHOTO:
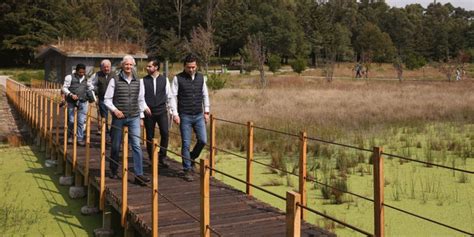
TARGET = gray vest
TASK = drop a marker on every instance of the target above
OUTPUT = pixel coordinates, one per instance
(126, 96)
(78, 88)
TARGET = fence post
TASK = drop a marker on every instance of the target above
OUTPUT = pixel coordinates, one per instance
(102, 166)
(51, 118)
(124, 176)
(88, 146)
(248, 188)
(154, 195)
(205, 211)
(293, 214)
(45, 119)
(64, 160)
(40, 119)
(74, 142)
(378, 192)
(302, 171)
(212, 145)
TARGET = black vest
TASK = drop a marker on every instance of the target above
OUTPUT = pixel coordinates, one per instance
(190, 97)
(102, 83)
(156, 103)
(78, 88)
(126, 96)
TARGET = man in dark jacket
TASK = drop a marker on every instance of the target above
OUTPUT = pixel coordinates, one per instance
(157, 96)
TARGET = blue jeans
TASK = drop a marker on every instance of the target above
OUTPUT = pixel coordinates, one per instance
(81, 119)
(133, 124)
(188, 123)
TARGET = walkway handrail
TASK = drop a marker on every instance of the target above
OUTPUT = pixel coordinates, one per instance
(33, 105)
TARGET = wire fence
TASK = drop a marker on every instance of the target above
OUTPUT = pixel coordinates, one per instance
(28, 100)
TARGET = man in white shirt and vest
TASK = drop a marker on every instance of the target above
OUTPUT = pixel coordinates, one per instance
(190, 109)
(125, 99)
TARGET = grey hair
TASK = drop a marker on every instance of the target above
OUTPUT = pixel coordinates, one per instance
(128, 57)
(104, 62)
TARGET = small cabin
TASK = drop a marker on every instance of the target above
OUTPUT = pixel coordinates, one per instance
(60, 60)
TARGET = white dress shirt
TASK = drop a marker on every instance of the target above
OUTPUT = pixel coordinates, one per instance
(109, 95)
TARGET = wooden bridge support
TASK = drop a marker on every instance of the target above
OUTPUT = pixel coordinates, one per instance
(293, 214)
(302, 171)
(205, 207)
(378, 192)
(248, 188)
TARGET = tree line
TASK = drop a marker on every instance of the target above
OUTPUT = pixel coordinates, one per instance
(316, 31)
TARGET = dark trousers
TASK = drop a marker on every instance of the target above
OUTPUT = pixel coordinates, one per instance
(150, 123)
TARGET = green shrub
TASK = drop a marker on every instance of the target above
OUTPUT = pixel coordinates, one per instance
(414, 61)
(274, 63)
(216, 81)
(23, 77)
(299, 65)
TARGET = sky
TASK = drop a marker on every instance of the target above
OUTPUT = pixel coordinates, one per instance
(466, 4)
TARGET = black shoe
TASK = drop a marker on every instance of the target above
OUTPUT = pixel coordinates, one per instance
(141, 180)
(113, 176)
(188, 176)
(81, 143)
(163, 164)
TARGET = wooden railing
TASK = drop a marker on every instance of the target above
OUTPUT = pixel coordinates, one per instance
(41, 105)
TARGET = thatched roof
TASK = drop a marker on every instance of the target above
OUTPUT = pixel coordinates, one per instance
(93, 49)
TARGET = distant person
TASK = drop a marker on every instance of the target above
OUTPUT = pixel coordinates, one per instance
(100, 80)
(124, 97)
(75, 91)
(157, 97)
(358, 69)
(190, 109)
(458, 74)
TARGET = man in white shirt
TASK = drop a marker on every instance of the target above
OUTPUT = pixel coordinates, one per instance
(75, 89)
(190, 109)
(125, 99)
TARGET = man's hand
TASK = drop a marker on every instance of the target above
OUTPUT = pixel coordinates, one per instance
(147, 112)
(206, 118)
(74, 97)
(176, 119)
(118, 114)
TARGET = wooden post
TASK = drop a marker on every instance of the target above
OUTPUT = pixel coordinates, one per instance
(302, 171)
(45, 118)
(124, 176)
(205, 212)
(154, 196)
(248, 188)
(56, 121)
(378, 192)
(62, 165)
(88, 146)
(212, 145)
(102, 166)
(74, 141)
(50, 135)
(40, 117)
(293, 214)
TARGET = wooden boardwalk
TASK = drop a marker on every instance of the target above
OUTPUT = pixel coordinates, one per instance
(232, 212)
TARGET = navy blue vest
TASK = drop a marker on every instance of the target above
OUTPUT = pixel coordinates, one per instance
(190, 97)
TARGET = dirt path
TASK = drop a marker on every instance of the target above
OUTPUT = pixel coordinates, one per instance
(9, 130)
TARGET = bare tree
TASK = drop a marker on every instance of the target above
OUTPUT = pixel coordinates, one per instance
(255, 54)
(211, 8)
(201, 44)
(178, 6)
(398, 66)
